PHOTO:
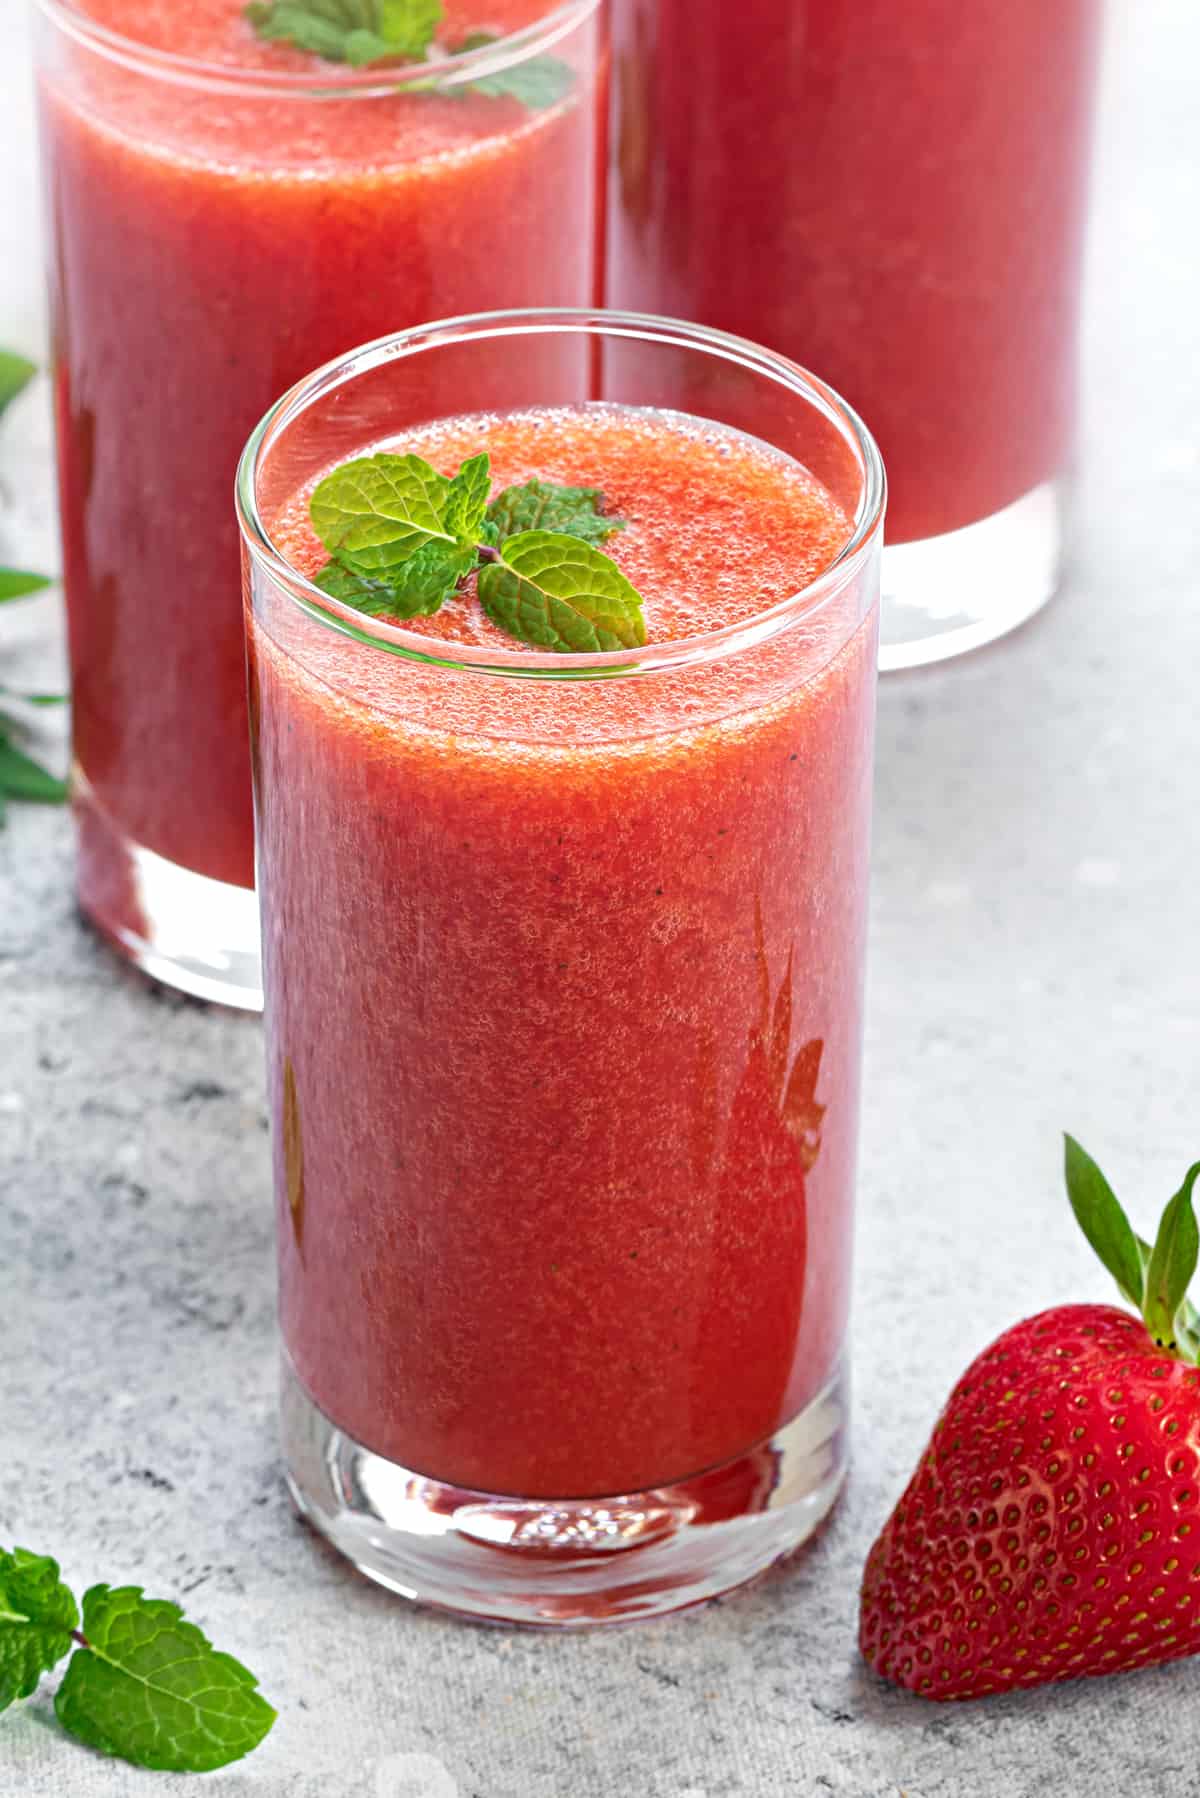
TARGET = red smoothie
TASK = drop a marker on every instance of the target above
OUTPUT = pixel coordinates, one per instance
(891, 194)
(564, 987)
(211, 244)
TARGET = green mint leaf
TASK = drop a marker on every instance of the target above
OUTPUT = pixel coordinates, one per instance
(23, 778)
(372, 514)
(467, 501)
(556, 592)
(1172, 1264)
(545, 506)
(306, 24)
(539, 83)
(358, 32)
(408, 26)
(362, 48)
(37, 1615)
(1099, 1215)
(16, 372)
(15, 583)
(151, 1689)
(418, 587)
(368, 594)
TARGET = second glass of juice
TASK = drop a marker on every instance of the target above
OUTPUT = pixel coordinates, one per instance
(892, 191)
(563, 960)
(226, 213)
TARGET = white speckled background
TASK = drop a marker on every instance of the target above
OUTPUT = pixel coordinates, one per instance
(1034, 966)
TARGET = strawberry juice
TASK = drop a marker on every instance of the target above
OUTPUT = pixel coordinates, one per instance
(892, 194)
(564, 982)
(218, 230)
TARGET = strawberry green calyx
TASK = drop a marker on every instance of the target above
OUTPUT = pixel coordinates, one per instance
(1152, 1278)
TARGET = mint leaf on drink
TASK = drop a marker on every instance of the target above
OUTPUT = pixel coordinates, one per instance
(557, 592)
(538, 82)
(150, 1688)
(410, 24)
(16, 372)
(37, 1615)
(467, 501)
(545, 506)
(358, 32)
(403, 538)
(364, 32)
(374, 513)
(418, 588)
(295, 22)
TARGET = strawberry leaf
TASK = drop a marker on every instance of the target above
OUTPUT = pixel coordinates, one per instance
(1099, 1215)
(1172, 1264)
(556, 592)
(37, 1615)
(150, 1688)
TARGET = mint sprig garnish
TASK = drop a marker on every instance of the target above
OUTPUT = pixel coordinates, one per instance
(143, 1684)
(364, 32)
(20, 776)
(403, 538)
(358, 32)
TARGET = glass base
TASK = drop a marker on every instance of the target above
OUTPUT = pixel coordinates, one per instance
(567, 1562)
(946, 595)
(189, 932)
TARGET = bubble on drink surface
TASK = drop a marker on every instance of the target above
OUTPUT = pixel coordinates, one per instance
(414, 1776)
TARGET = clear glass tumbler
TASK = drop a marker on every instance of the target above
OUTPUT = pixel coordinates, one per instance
(895, 195)
(223, 215)
(563, 960)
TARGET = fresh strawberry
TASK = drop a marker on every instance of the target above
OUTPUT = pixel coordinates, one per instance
(1052, 1528)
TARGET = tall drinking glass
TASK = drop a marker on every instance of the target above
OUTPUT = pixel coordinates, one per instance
(563, 960)
(225, 214)
(895, 195)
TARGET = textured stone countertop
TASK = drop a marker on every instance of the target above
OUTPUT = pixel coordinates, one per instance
(1034, 966)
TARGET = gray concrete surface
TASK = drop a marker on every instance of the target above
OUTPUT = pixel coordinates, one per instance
(1034, 966)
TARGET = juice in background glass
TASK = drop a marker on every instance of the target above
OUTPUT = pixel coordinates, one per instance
(225, 214)
(895, 196)
(563, 982)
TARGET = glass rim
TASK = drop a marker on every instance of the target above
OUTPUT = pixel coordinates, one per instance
(445, 71)
(523, 661)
